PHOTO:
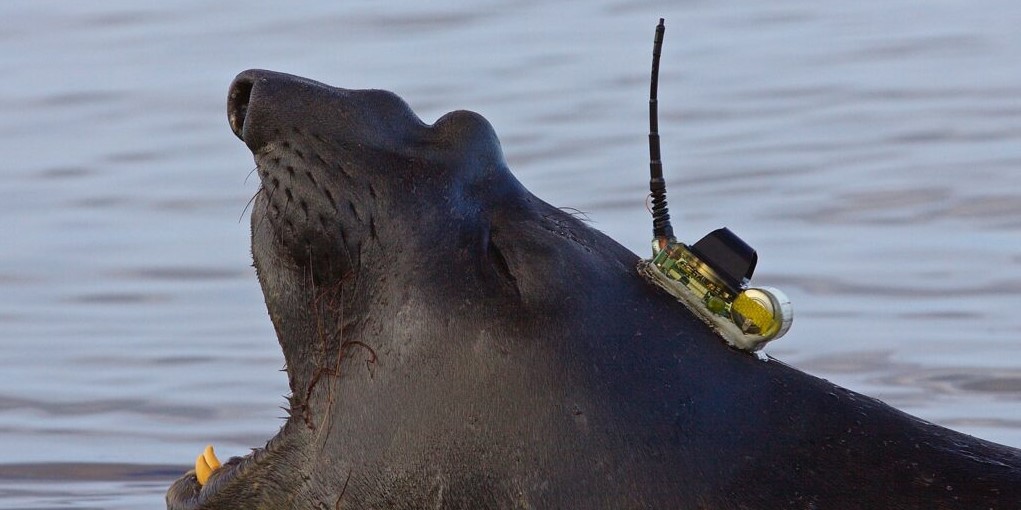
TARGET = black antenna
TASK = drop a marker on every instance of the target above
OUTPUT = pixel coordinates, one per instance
(661, 228)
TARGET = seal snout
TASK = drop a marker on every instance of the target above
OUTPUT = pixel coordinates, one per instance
(237, 103)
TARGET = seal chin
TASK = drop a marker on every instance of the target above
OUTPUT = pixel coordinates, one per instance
(233, 477)
(186, 493)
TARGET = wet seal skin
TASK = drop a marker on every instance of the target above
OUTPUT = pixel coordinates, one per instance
(452, 341)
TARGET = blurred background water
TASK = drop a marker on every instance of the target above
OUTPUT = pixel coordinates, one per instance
(870, 151)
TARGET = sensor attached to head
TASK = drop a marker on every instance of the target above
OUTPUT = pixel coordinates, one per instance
(712, 276)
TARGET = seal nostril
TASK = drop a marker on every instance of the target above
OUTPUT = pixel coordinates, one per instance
(237, 104)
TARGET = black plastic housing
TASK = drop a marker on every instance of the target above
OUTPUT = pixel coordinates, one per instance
(730, 257)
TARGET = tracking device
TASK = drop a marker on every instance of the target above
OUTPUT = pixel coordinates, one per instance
(710, 277)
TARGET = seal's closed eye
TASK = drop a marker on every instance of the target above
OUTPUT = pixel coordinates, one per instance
(498, 261)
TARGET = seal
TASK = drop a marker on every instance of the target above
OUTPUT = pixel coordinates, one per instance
(452, 341)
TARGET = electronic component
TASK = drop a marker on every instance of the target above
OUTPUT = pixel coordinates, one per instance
(710, 277)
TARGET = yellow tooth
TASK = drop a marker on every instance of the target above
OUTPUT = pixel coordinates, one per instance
(210, 457)
(202, 470)
(205, 464)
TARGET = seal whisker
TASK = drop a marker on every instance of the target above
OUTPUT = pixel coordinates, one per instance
(269, 199)
(250, 202)
(577, 214)
(250, 174)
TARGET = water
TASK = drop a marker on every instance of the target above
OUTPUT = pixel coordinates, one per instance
(868, 150)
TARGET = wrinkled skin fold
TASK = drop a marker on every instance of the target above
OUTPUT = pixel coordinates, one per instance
(452, 341)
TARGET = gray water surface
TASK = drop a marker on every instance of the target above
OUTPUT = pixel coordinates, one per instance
(870, 151)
